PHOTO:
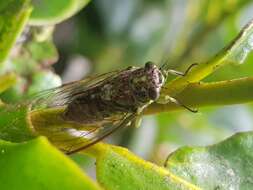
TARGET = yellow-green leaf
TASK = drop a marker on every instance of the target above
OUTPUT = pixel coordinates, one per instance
(49, 12)
(13, 17)
(119, 169)
(38, 165)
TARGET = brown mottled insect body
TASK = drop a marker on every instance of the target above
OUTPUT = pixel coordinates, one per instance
(130, 90)
(87, 111)
(77, 115)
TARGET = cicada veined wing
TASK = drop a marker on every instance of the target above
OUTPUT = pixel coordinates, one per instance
(46, 116)
(62, 95)
(79, 114)
(73, 137)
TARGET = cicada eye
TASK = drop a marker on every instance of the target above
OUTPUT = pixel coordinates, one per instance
(149, 65)
(153, 93)
(142, 94)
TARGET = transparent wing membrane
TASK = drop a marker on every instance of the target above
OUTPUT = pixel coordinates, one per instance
(72, 137)
(64, 94)
(45, 113)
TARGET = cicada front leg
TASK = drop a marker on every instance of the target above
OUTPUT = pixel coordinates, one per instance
(178, 73)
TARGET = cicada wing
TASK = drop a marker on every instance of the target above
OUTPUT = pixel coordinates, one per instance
(71, 140)
(62, 95)
(54, 97)
(66, 135)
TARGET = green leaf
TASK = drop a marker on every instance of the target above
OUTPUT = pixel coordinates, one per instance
(6, 81)
(38, 165)
(13, 17)
(227, 165)
(14, 124)
(49, 12)
(15, 93)
(240, 48)
(117, 168)
(235, 52)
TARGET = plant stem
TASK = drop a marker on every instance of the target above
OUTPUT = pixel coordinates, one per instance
(197, 95)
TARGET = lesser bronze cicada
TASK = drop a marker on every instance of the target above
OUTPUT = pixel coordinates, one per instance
(79, 114)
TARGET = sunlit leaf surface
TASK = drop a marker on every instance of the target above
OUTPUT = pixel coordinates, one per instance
(53, 11)
(226, 165)
(38, 165)
(13, 17)
(119, 169)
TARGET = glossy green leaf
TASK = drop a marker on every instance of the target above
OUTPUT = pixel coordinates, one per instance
(49, 12)
(13, 17)
(239, 49)
(38, 165)
(15, 92)
(14, 124)
(226, 165)
(119, 169)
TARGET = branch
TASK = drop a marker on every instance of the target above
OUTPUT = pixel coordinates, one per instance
(197, 95)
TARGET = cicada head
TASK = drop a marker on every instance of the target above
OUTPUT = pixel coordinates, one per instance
(147, 83)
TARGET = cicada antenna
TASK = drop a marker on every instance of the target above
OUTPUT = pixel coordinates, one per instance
(164, 65)
(164, 68)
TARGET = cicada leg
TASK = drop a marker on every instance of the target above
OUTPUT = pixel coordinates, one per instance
(177, 102)
(136, 122)
(178, 73)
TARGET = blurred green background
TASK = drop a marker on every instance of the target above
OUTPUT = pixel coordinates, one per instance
(113, 34)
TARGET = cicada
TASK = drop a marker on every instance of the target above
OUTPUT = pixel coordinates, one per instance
(79, 114)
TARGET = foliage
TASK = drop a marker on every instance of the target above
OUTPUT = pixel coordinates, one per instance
(227, 165)
(43, 167)
(27, 52)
